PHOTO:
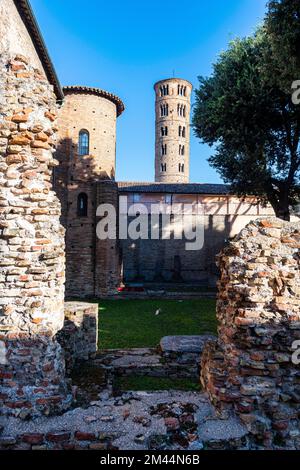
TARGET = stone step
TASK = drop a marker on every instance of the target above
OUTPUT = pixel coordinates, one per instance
(145, 361)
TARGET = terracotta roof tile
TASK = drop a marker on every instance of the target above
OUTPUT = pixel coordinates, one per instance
(176, 188)
(96, 91)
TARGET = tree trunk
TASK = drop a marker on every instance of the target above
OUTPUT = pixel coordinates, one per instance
(283, 214)
(281, 207)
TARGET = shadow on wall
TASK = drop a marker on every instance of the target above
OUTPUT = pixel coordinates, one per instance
(168, 261)
(91, 264)
(73, 173)
(79, 336)
(81, 185)
(73, 182)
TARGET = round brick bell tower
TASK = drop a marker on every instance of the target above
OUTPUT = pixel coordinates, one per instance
(172, 130)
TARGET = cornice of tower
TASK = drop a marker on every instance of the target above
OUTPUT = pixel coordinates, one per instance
(175, 79)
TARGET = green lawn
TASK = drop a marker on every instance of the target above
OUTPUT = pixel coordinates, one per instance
(133, 324)
(153, 384)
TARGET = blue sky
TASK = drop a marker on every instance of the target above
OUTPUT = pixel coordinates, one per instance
(125, 46)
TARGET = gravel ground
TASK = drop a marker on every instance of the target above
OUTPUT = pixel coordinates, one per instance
(130, 419)
(114, 415)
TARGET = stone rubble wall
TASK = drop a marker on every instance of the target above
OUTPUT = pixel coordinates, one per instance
(250, 369)
(32, 245)
(59, 440)
(79, 337)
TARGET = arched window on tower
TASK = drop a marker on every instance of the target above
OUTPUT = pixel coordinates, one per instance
(181, 110)
(84, 142)
(82, 205)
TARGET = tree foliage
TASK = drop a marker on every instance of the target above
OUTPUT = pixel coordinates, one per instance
(245, 110)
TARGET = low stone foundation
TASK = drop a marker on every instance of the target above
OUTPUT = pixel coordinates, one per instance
(79, 336)
(250, 369)
(33, 380)
(185, 351)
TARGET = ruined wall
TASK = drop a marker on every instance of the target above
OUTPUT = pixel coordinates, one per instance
(250, 368)
(79, 337)
(31, 241)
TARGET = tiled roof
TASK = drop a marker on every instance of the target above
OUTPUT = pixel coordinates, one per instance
(31, 24)
(179, 188)
(96, 91)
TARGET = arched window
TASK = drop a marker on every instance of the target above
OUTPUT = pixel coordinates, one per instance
(180, 109)
(183, 132)
(164, 131)
(164, 110)
(82, 205)
(84, 142)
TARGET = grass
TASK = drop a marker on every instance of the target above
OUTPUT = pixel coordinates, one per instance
(133, 324)
(145, 383)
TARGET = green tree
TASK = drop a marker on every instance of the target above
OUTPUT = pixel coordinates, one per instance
(245, 110)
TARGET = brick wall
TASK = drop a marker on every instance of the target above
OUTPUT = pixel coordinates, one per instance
(168, 260)
(107, 252)
(87, 270)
